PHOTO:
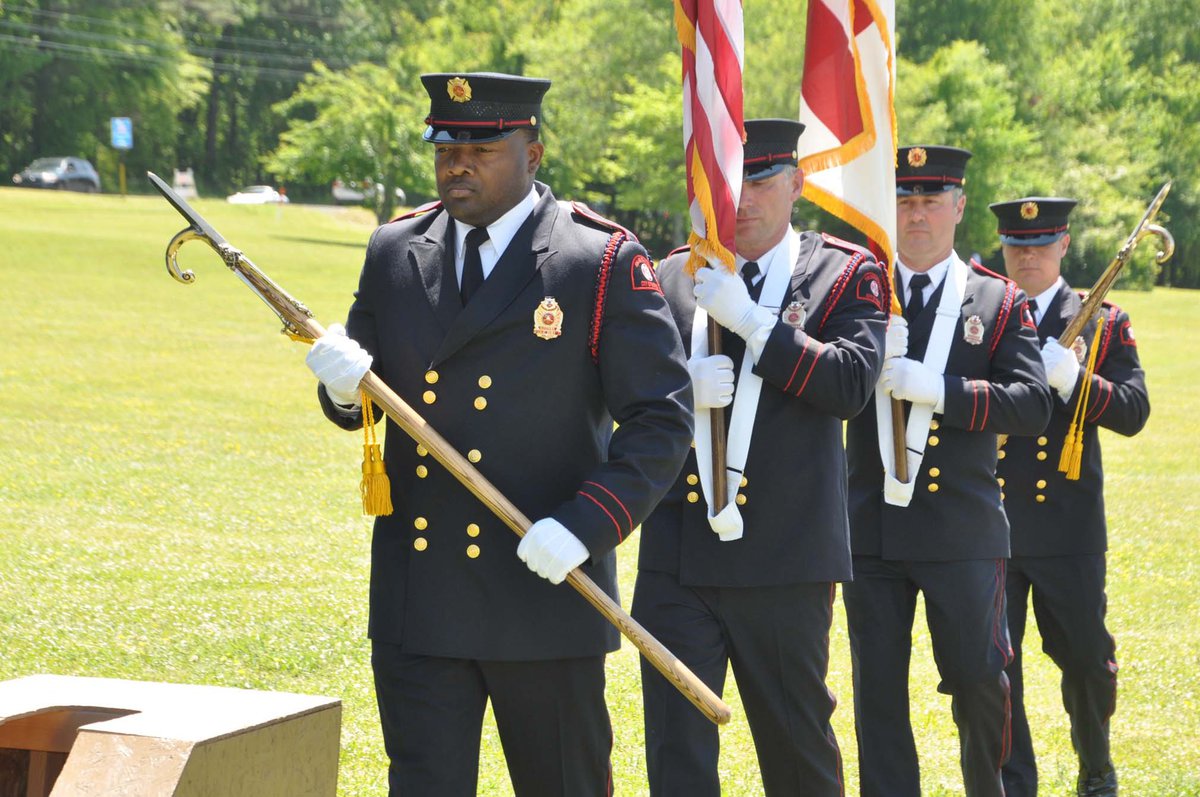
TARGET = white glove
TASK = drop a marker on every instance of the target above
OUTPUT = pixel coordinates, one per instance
(712, 381)
(896, 341)
(1062, 368)
(340, 363)
(909, 380)
(551, 551)
(723, 295)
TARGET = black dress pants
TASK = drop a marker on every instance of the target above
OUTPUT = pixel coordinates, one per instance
(964, 608)
(551, 716)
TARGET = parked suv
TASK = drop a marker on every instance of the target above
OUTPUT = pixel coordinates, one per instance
(66, 174)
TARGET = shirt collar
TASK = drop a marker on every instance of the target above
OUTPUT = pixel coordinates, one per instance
(1044, 298)
(780, 249)
(502, 230)
(936, 274)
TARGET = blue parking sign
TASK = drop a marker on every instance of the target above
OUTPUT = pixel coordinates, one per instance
(122, 132)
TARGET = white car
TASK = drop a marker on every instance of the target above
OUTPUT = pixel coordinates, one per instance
(256, 195)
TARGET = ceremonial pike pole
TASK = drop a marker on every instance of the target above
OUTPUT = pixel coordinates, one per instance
(299, 324)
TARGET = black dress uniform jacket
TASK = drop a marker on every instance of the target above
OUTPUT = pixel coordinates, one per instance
(1051, 515)
(995, 386)
(536, 416)
(814, 376)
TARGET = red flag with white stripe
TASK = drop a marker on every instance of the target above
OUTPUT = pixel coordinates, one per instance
(848, 150)
(711, 38)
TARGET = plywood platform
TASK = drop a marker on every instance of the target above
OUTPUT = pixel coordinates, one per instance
(140, 739)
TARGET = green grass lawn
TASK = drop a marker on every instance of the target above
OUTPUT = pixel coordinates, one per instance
(174, 507)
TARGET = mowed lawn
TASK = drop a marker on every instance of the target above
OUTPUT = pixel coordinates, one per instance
(174, 507)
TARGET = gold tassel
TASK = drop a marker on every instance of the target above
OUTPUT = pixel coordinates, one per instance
(1070, 461)
(376, 488)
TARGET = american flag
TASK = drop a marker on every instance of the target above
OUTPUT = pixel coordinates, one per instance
(848, 150)
(711, 38)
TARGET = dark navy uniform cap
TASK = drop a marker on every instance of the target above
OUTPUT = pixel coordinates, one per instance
(1032, 220)
(930, 169)
(770, 145)
(477, 107)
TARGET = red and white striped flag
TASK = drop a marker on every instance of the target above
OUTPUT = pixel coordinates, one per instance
(710, 34)
(848, 150)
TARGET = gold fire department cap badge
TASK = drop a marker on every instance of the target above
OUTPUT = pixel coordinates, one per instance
(917, 157)
(459, 89)
(1029, 211)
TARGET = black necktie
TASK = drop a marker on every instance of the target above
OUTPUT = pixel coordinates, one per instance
(916, 293)
(472, 276)
(1033, 309)
(749, 272)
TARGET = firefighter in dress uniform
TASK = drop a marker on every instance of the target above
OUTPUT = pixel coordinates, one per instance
(1059, 534)
(966, 363)
(522, 328)
(803, 324)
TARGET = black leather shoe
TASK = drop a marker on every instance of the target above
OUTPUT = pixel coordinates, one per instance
(1102, 785)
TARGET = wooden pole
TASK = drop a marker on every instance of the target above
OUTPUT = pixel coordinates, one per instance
(716, 417)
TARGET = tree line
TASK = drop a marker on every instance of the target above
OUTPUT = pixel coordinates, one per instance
(1093, 99)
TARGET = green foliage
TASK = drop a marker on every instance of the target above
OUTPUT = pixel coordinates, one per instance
(959, 98)
(360, 122)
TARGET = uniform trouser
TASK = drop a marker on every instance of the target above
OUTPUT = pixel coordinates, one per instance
(551, 715)
(1069, 604)
(964, 608)
(777, 640)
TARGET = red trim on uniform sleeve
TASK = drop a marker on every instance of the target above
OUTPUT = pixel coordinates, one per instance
(816, 357)
(620, 536)
(1107, 387)
(974, 406)
(987, 403)
(796, 368)
(620, 503)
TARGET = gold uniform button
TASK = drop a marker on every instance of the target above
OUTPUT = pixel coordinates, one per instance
(431, 377)
(422, 471)
(1002, 455)
(422, 451)
(1001, 495)
(933, 487)
(485, 381)
(1041, 455)
(474, 455)
(693, 497)
(1041, 499)
(933, 440)
(473, 551)
(741, 499)
(472, 529)
(934, 425)
(429, 397)
(693, 479)
(420, 524)
(935, 472)
(1000, 481)
(745, 481)
(1042, 440)
(1041, 484)
(420, 543)
(480, 403)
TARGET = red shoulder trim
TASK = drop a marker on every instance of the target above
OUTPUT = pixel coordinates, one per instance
(583, 210)
(677, 250)
(421, 211)
(841, 243)
(615, 241)
(975, 264)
